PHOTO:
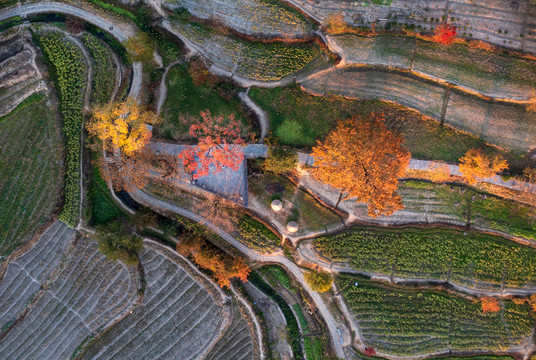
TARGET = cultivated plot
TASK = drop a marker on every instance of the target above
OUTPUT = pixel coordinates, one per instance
(181, 314)
(87, 293)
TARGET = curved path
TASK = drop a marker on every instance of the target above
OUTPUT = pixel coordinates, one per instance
(277, 258)
(121, 32)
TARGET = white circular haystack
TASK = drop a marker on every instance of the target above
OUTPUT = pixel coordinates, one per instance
(292, 226)
(277, 205)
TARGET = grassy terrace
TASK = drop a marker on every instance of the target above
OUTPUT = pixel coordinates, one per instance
(469, 259)
(251, 60)
(299, 119)
(406, 322)
(30, 170)
(297, 204)
(487, 72)
(185, 101)
(481, 209)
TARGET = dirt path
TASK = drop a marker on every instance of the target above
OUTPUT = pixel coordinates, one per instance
(162, 90)
(277, 258)
(264, 122)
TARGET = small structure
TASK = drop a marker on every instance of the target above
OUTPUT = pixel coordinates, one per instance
(292, 226)
(277, 205)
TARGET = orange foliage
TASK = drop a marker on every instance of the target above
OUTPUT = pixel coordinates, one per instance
(445, 34)
(475, 164)
(363, 159)
(335, 24)
(532, 302)
(529, 175)
(518, 301)
(531, 106)
(200, 74)
(122, 125)
(223, 266)
(490, 304)
(219, 146)
(440, 172)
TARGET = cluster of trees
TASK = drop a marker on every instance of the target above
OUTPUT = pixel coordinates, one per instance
(475, 164)
(223, 266)
(118, 242)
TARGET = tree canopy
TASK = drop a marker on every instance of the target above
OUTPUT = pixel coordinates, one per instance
(122, 125)
(223, 266)
(445, 34)
(219, 145)
(117, 243)
(363, 159)
(477, 164)
(319, 281)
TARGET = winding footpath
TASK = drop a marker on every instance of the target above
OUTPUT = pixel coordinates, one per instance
(277, 258)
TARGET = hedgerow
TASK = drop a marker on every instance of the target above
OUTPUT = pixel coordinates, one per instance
(68, 70)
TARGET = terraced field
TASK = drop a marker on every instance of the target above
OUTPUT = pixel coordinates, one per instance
(104, 67)
(250, 60)
(503, 23)
(405, 322)
(181, 314)
(86, 293)
(31, 175)
(509, 126)
(267, 18)
(482, 71)
(468, 259)
(19, 76)
(26, 274)
(237, 342)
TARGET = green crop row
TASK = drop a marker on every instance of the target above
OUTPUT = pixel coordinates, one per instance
(465, 258)
(408, 322)
(68, 70)
(256, 235)
(104, 76)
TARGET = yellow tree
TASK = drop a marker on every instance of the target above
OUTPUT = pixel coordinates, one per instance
(476, 164)
(140, 47)
(122, 125)
(335, 24)
(363, 159)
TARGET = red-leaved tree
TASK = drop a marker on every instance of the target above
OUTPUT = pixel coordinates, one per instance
(219, 145)
(445, 34)
(369, 351)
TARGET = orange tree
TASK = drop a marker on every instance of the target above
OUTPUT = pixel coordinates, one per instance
(476, 164)
(122, 125)
(219, 145)
(363, 159)
(490, 304)
(222, 266)
(445, 34)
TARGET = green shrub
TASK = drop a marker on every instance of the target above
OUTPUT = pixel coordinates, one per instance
(117, 243)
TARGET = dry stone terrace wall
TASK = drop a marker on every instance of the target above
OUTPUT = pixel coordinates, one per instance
(19, 76)
(26, 274)
(511, 24)
(251, 17)
(506, 125)
(474, 70)
(86, 293)
(181, 315)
